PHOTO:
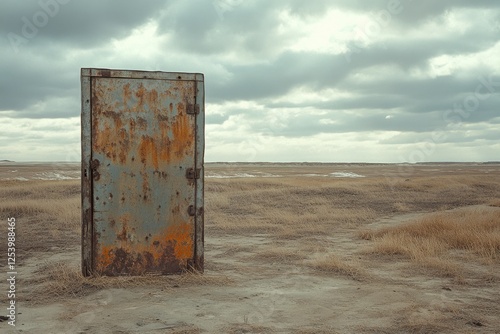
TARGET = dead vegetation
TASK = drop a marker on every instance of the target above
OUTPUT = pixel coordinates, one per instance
(47, 214)
(332, 263)
(59, 280)
(443, 242)
(317, 225)
(495, 202)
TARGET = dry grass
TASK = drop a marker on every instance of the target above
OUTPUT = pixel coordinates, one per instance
(439, 318)
(287, 209)
(316, 330)
(438, 240)
(495, 202)
(293, 208)
(308, 222)
(59, 280)
(48, 208)
(247, 328)
(334, 264)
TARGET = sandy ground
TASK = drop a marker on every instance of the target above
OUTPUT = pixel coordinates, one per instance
(249, 294)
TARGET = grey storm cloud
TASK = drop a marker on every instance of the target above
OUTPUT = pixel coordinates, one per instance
(413, 12)
(290, 70)
(367, 83)
(35, 35)
(416, 52)
(221, 26)
(335, 122)
(26, 82)
(73, 22)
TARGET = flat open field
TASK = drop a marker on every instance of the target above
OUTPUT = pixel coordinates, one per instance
(297, 248)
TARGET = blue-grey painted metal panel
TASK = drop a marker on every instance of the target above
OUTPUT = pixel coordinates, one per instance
(142, 172)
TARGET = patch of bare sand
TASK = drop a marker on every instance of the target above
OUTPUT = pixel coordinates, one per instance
(278, 298)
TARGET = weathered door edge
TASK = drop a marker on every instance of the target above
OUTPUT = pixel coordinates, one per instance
(199, 161)
(86, 195)
(132, 74)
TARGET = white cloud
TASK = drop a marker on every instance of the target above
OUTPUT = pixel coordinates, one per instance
(28, 139)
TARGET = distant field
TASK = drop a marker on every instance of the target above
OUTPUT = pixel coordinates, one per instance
(295, 248)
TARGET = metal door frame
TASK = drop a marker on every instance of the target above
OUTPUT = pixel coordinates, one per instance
(88, 237)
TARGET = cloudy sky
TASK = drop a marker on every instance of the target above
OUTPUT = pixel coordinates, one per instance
(286, 80)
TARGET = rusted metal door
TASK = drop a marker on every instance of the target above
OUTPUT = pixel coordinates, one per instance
(142, 172)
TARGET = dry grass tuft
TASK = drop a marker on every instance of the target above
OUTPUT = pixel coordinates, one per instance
(247, 328)
(439, 318)
(316, 331)
(435, 240)
(472, 230)
(402, 207)
(495, 202)
(185, 329)
(59, 280)
(334, 264)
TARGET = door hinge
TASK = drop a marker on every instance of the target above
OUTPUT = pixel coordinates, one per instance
(193, 173)
(193, 109)
(191, 211)
(94, 166)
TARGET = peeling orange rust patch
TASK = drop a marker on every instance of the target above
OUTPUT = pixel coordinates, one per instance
(141, 91)
(100, 140)
(146, 97)
(107, 258)
(169, 251)
(124, 147)
(127, 94)
(164, 149)
(182, 238)
(178, 235)
(152, 98)
(113, 140)
(148, 151)
(182, 132)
